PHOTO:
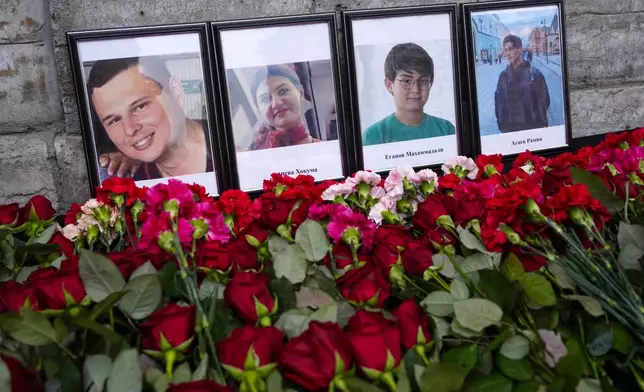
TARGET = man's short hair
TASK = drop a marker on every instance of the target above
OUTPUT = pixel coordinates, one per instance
(514, 40)
(103, 71)
(408, 57)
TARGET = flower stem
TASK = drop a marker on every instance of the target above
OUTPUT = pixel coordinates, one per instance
(417, 287)
(467, 278)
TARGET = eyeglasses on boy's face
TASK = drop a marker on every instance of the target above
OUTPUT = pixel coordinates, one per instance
(408, 83)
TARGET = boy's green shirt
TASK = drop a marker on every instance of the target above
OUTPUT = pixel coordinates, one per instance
(389, 130)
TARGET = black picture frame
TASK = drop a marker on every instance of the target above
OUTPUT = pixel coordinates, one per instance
(471, 89)
(218, 150)
(348, 161)
(351, 77)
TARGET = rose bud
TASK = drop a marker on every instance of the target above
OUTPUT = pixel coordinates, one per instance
(14, 296)
(199, 386)
(413, 325)
(249, 354)
(248, 295)
(375, 343)
(171, 327)
(275, 211)
(417, 258)
(66, 246)
(58, 289)
(9, 214)
(365, 287)
(318, 357)
(22, 378)
(38, 208)
(244, 255)
(428, 212)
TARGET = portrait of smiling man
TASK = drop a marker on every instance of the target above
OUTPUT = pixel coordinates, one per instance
(409, 76)
(139, 104)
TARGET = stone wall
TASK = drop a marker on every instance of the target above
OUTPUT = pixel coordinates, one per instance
(41, 148)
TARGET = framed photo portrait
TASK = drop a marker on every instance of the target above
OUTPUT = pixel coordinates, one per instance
(404, 85)
(518, 79)
(144, 98)
(281, 97)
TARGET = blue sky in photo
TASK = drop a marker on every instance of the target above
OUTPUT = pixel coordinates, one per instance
(521, 21)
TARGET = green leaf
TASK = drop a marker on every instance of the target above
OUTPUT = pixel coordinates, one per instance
(443, 377)
(538, 289)
(597, 189)
(5, 377)
(221, 318)
(7, 252)
(562, 278)
(46, 235)
(167, 275)
(520, 370)
(356, 384)
(24, 273)
(591, 305)
(515, 347)
(97, 328)
(477, 313)
(459, 330)
(466, 356)
(106, 304)
(588, 385)
(498, 289)
(99, 275)
(285, 293)
(313, 240)
(327, 313)
(182, 374)
(629, 257)
(459, 290)
(294, 322)
(146, 269)
(404, 383)
(142, 298)
(439, 303)
(276, 244)
(470, 241)
(96, 370)
(512, 267)
(327, 284)
(208, 289)
(291, 263)
(126, 373)
(447, 269)
(69, 375)
(32, 329)
(527, 386)
(622, 339)
(599, 340)
(202, 370)
(574, 364)
(161, 384)
(630, 235)
(494, 382)
(481, 261)
(485, 364)
(37, 249)
(61, 329)
(274, 382)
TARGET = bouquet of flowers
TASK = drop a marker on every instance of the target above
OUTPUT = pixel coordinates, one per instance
(476, 280)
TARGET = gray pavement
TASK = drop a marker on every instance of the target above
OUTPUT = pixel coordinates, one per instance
(487, 77)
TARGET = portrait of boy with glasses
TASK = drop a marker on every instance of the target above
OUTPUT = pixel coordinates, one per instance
(409, 76)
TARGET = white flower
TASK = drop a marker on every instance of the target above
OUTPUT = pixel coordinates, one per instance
(343, 189)
(377, 192)
(86, 221)
(528, 168)
(429, 176)
(367, 177)
(464, 162)
(71, 232)
(394, 184)
(407, 171)
(90, 205)
(555, 348)
(114, 216)
(385, 204)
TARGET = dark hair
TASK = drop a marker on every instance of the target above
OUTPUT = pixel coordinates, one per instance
(408, 57)
(514, 40)
(273, 70)
(105, 70)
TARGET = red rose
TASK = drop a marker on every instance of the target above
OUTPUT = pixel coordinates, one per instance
(116, 186)
(440, 237)
(40, 205)
(9, 214)
(66, 246)
(275, 211)
(51, 285)
(255, 231)
(393, 236)
(309, 360)
(266, 344)
(300, 214)
(14, 295)
(245, 292)
(214, 255)
(384, 258)
(417, 257)
(365, 286)
(22, 378)
(129, 259)
(412, 323)
(176, 323)
(372, 337)
(200, 386)
(428, 211)
(244, 255)
(71, 217)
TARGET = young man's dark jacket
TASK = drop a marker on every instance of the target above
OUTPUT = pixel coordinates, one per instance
(521, 100)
